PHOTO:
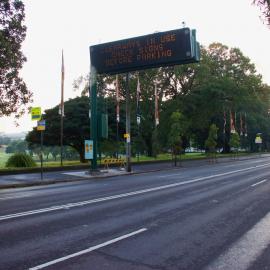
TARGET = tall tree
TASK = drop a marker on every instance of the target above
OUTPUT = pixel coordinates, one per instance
(264, 5)
(76, 127)
(14, 94)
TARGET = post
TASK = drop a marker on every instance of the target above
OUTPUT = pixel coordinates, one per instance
(62, 107)
(41, 154)
(93, 118)
(117, 139)
(61, 139)
(128, 146)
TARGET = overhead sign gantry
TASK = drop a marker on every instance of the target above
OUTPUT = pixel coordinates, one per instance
(168, 48)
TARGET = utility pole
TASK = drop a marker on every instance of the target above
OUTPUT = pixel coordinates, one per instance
(93, 119)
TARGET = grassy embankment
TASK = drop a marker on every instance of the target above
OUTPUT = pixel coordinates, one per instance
(50, 163)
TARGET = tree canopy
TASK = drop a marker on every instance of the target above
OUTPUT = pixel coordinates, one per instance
(223, 84)
(14, 94)
(264, 5)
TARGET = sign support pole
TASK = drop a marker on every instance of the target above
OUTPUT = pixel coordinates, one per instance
(41, 154)
(93, 120)
(128, 146)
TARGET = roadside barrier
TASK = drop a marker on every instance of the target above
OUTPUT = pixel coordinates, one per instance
(114, 161)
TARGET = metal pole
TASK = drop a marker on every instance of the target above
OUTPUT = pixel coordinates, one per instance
(93, 120)
(41, 154)
(61, 138)
(117, 139)
(128, 145)
(62, 107)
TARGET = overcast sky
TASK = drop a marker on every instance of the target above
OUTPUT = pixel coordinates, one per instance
(53, 25)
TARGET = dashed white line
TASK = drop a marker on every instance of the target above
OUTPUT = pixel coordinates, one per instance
(258, 183)
(90, 249)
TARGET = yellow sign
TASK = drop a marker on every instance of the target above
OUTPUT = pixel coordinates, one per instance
(126, 135)
(40, 128)
(41, 125)
(258, 139)
(36, 113)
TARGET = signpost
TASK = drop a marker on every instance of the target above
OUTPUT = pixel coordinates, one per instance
(168, 48)
(41, 127)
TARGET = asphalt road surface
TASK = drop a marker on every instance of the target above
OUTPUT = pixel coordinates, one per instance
(210, 217)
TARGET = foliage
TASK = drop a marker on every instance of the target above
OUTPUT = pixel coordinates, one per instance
(4, 140)
(17, 146)
(223, 81)
(211, 141)
(235, 141)
(14, 94)
(76, 126)
(264, 5)
(177, 130)
(20, 160)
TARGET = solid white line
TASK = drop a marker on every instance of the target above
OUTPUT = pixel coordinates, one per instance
(244, 252)
(124, 195)
(14, 197)
(258, 183)
(88, 249)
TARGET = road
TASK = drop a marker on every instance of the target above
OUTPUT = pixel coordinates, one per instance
(210, 217)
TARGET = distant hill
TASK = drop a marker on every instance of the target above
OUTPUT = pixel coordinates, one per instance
(14, 136)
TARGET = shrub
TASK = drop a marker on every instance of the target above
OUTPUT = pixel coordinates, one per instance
(20, 160)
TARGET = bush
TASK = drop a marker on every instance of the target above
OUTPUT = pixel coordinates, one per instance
(20, 160)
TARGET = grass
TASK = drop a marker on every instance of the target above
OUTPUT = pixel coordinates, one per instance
(160, 157)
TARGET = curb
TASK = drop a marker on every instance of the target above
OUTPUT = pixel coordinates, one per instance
(96, 177)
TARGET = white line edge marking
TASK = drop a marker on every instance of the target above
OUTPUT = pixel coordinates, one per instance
(258, 183)
(124, 195)
(14, 197)
(241, 254)
(90, 249)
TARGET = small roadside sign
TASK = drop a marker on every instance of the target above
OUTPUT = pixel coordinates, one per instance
(41, 125)
(36, 113)
(258, 140)
(88, 149)
(126, 135)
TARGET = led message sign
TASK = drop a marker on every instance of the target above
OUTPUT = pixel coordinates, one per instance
(154, 50)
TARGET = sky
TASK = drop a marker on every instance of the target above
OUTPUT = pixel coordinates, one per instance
(53, 25)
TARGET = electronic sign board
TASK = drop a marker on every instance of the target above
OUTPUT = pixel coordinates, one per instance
(155, 50)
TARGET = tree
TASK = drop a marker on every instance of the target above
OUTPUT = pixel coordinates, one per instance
(14, 94)
(234, 142)
(177, 130)
(211, 141)
(17, 146)
(76, 126)
(264, 6)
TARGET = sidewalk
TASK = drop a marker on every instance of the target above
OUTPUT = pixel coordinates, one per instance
(32, 179)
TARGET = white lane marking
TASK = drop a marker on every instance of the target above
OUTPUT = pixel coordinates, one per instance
(258, 183)
(15, 197)
(118, 196)
(244, 252)
(222, 174)
(90, 249)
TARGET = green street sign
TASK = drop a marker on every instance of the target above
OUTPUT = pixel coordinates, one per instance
(36, 113)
